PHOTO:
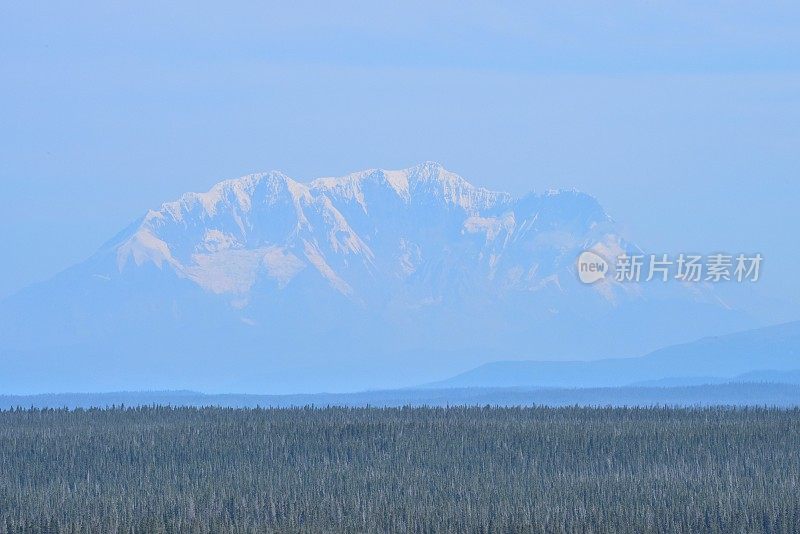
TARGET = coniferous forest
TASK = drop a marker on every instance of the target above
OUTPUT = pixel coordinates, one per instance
(460, 469)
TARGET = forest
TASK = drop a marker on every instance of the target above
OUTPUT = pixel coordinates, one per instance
(407, 469)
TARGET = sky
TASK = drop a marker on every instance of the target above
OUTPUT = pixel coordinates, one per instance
(682, 119)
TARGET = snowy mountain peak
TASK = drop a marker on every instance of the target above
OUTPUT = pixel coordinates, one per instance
(424, 227)
(238, 193)
(425, 183)
(262, 279)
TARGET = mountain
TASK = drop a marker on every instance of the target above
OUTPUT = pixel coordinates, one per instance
(763, 355)
(375, 279)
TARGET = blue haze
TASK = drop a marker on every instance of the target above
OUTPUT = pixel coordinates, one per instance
(683, 120)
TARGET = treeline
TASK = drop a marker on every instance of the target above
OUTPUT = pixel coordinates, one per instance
(764, 393)
(165, 470)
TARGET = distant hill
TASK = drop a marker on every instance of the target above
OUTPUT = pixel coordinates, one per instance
(734, 394)
(764, 355)
(763, 377)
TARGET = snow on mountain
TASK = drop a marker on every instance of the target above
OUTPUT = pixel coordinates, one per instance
(374, 279)
(367, 228)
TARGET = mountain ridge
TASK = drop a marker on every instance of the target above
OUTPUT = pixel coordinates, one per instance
(372, 280)
(755, 355)
(329, 218)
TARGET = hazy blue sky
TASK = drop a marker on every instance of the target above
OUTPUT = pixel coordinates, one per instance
(683, 120)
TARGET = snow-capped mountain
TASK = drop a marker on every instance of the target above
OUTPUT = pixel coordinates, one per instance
(377, 278)
(422, 228)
